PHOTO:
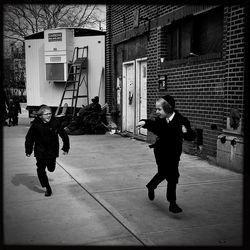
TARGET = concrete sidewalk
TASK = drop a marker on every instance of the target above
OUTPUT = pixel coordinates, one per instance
(99, 197)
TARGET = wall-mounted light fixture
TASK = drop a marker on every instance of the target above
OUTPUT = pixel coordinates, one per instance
(162, 59)
(137, 20)
(192, 54)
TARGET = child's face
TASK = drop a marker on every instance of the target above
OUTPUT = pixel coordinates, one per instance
(46, 116)
(159, 110)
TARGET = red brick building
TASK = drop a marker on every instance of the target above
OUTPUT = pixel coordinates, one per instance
(194, 52)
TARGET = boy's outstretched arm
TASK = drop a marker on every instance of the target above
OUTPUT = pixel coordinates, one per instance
(140, 124)
(188, 133)
(29, 142)
(148, 124)
(65, 138)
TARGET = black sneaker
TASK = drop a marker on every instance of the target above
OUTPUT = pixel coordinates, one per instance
(174, 208)
(48, 191)
(151, 194)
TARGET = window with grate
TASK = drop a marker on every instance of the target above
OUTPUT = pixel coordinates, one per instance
(195, 35)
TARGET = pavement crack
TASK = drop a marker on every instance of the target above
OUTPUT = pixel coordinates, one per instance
(208, 182)
(113, 212)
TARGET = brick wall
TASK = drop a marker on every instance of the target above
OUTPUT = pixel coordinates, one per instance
(108, 60)
(234, 59)
(205, 88)
(198, 90)
(246, 93)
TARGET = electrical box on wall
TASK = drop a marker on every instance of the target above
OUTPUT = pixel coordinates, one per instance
(162, 81)
(58, 49)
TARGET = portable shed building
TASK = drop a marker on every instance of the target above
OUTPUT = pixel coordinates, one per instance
(48, 57)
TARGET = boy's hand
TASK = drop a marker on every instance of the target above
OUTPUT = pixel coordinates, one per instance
(28, 155)
(140, 124)
(65, 153)
(184, 130)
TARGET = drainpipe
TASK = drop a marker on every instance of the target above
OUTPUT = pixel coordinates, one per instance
(199, 139)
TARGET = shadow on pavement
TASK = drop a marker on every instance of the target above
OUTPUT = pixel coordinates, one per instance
(30, 181)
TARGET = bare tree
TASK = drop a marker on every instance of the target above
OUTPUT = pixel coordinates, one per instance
(26, 19)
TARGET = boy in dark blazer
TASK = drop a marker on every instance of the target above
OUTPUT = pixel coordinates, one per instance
(171, 128)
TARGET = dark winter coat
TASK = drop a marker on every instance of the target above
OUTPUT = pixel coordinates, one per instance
(168, 145)
(14, 108)
(43, 137)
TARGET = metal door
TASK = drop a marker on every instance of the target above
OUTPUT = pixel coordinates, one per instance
(129, 97)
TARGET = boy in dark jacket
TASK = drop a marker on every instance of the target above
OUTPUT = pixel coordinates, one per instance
(171, 128)
(43, 137)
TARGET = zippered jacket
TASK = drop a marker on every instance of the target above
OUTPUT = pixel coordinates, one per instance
(43, 139)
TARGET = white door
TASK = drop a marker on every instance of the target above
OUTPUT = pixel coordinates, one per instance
(129, 97)
(141, 83)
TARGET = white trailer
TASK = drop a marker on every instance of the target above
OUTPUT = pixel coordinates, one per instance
(48, 56)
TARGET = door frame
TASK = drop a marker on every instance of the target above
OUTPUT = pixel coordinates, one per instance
(137, 88)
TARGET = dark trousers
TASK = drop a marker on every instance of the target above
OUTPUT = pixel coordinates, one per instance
(41, 169)
(15, 120)
(171, 186)
(167, 170)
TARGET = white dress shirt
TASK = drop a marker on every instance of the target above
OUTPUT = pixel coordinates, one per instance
(170, 118)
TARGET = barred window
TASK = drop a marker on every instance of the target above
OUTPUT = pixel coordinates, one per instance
(195, 35)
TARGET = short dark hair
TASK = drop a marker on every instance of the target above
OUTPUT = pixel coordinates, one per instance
(170, 100)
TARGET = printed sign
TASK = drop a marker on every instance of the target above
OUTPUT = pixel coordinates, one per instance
(54, 37)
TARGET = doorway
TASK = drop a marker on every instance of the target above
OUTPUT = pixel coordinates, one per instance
(134, 95)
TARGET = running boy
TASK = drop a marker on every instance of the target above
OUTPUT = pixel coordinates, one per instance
(171, 128)
(43, 136)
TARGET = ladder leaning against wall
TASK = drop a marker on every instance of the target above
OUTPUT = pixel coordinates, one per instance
(77, 75)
